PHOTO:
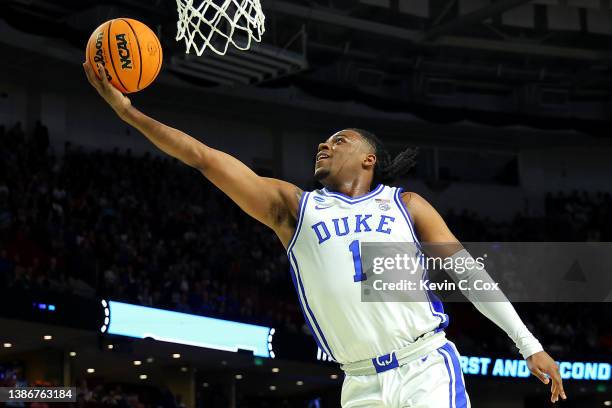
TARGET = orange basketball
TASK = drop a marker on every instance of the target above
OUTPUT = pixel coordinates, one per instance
(129, 51)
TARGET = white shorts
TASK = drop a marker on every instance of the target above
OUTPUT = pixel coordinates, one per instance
(432, 381)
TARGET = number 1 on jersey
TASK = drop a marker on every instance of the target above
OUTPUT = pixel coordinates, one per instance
(359, 275)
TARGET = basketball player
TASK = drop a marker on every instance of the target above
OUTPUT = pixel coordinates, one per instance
(394, 354)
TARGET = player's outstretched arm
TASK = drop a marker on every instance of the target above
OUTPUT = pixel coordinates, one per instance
(432, 229)
(270, 201)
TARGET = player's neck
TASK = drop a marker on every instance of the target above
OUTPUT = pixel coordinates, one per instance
(352, 188)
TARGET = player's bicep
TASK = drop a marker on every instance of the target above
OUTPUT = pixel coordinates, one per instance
(430, 226)
(261, 197)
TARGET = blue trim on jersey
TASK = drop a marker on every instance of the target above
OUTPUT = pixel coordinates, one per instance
(398, 200)
(353, 200)
(298, 226)
(438, 307)
(297, 281)
(326, 349)
(456, 386)
(314, 333)
(435, 304)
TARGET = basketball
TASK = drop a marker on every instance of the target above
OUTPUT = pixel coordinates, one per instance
(129, 51)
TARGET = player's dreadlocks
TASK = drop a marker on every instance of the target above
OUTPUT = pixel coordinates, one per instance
(388, 168)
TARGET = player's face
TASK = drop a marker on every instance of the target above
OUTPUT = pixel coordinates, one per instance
(341, 156)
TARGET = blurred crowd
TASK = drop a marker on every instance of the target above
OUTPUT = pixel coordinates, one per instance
(574, 217)
(139, 229)
(146, 229)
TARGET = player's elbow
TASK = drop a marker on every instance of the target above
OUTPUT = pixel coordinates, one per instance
(200, 158)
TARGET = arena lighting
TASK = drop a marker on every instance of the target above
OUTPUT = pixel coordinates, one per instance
(182, 328)
(47, 337)
(184, 369)
(104, 326)
(150, 360)
(321, 356)
(143, 376)
(500, 367)
(91, 370)
(275, 370)
(176, 355)
(273, 388)
(137, 362)
(238, 376)
(44, 306)
(205, 384)
(608, 403)
(72, 354)
(8, 345)
(299, 383)
(110, 347)
(334, 376)
(270, 338)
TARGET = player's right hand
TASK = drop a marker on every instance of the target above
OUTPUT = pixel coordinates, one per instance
(119, 102)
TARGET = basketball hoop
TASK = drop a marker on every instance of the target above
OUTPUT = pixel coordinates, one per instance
(216, 24)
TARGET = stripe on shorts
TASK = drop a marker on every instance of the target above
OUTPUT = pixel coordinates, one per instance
(457, 398)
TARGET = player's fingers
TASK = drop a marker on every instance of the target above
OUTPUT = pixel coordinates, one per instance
(88, 72)
(558, 382)
(91, 76)
(541, 375)
(102, 72)
(554, 392)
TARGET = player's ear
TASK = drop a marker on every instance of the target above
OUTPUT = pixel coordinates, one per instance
(369, 161)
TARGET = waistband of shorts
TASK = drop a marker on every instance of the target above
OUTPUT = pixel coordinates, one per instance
(424, 345)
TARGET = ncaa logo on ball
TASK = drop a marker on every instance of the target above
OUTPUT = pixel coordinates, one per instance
(124, 52)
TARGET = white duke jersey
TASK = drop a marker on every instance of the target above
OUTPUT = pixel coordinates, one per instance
(323, 269)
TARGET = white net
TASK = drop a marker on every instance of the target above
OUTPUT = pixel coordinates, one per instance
(215, 24)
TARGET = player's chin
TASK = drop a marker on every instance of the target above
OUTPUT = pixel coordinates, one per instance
(321, 173)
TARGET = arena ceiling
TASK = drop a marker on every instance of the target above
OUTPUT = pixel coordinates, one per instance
(525, 56)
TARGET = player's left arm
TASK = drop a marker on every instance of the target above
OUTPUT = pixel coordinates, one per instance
(431, 229)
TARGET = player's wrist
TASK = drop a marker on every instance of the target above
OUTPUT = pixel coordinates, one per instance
(533, 348)
(123, 109)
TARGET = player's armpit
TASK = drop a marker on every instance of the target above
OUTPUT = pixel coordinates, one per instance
(430, 226)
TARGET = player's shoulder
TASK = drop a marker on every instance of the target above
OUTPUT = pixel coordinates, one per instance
(417, 205)
(410, 197)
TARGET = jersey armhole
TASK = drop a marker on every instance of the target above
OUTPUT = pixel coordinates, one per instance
(301, 210)
(404, 210)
